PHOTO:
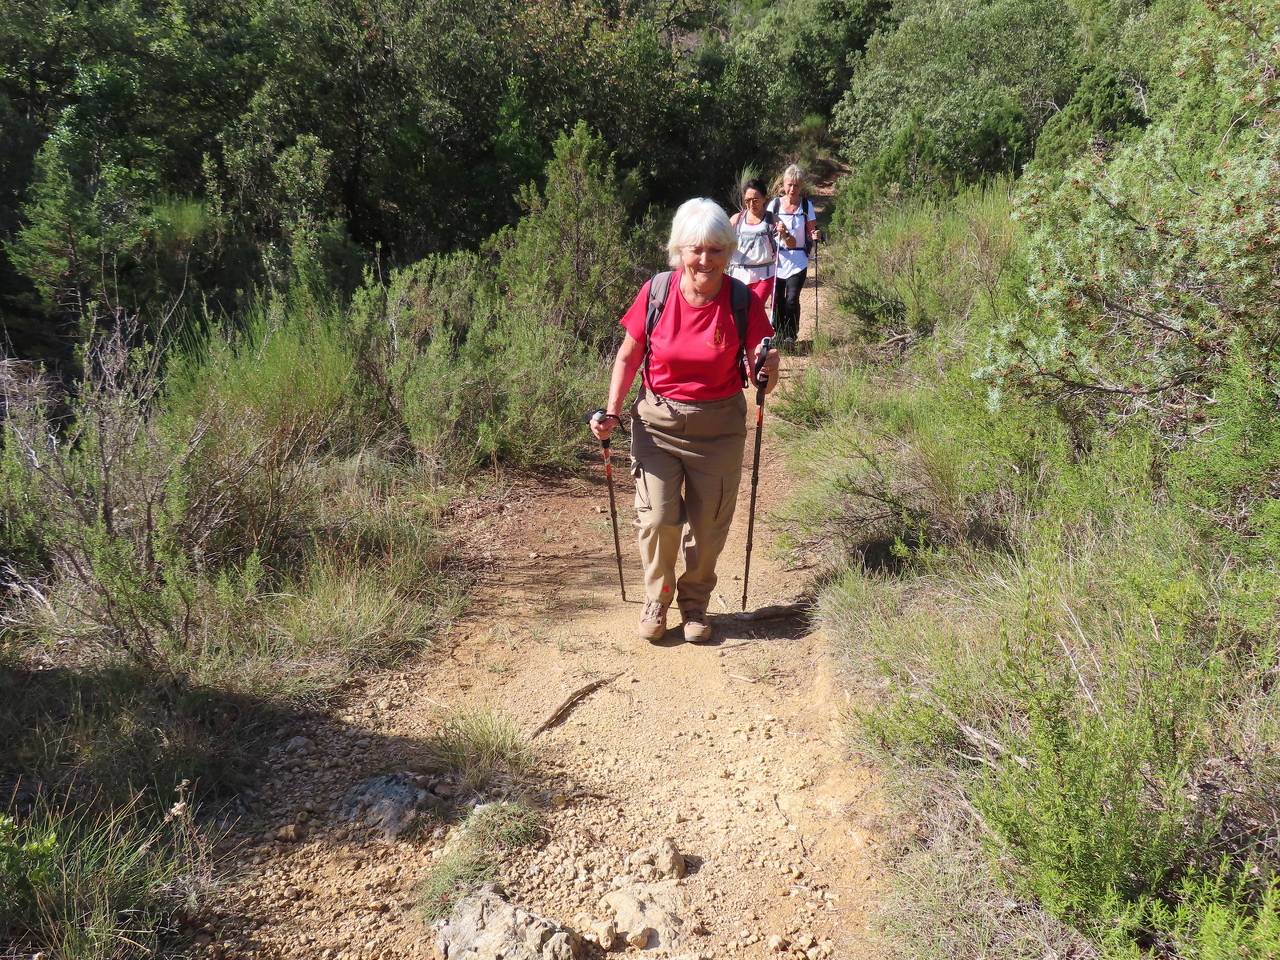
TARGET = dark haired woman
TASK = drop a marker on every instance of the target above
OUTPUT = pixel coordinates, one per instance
(755, 259)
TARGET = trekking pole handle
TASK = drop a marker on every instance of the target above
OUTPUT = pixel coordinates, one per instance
(767, 343)
(601, 414)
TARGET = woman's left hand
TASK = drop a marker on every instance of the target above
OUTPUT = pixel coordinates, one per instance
(770, 368)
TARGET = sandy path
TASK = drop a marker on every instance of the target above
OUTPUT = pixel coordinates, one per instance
(731, 750)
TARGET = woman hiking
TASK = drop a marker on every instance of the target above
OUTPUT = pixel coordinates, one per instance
(689, 418)
(796, 215)
(755, 258)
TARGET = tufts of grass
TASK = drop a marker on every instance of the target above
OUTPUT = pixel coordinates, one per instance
(96, 884)
(473, 856)
(505, 826)
(451, 878)
(480, 747)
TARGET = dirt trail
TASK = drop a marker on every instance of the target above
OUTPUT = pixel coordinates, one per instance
(732, 750)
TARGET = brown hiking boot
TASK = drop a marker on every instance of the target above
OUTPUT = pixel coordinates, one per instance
(653, 621)
(697, 625)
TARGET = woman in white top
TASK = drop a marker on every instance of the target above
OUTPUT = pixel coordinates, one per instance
(755, 260)
(798, 225)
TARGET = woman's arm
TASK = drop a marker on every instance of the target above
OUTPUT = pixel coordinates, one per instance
(625, 365)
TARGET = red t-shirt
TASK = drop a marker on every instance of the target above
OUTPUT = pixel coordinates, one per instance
(694, 350)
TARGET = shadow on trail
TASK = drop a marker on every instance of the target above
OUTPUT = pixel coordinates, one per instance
(271, 779)
(777, 623)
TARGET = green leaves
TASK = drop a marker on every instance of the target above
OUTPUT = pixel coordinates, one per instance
(954, 92)
(1151, 263)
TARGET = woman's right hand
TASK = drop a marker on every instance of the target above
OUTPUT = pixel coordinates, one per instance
(602, 425)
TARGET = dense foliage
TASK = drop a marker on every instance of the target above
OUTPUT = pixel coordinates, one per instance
(212, 150)
(301, 265)
(1049, 453)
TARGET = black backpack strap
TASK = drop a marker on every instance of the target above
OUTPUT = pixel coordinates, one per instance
(740, 300)
(659, 286)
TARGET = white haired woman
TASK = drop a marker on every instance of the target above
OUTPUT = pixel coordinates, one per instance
(798, 228)
(689, 417)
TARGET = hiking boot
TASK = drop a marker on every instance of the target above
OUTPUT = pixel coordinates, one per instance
(697, 625)
(653, 621)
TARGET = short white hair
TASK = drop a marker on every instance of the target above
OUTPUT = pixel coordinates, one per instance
(793, 172)
(699, 221)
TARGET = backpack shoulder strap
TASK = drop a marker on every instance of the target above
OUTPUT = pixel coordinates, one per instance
(659, 287)
(740, 301)
(659, 284)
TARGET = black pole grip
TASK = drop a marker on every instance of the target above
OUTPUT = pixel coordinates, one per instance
(767, 343)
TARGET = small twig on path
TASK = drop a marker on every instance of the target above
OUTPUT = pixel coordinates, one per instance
(734, 676)
(725, 647)
(791, 826)
(561, 712)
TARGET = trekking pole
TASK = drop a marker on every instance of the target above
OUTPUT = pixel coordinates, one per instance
(767, 343)
(815, 292)
(606, 451)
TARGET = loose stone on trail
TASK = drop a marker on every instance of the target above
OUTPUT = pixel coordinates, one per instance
(485, 926)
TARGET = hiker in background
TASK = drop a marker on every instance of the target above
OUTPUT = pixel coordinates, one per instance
(688, 423)
(798, 231)
(755, 259)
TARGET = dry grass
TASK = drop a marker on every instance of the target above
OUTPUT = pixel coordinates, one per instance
(481, 747)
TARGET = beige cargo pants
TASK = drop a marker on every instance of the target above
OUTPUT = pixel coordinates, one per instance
(687, 460)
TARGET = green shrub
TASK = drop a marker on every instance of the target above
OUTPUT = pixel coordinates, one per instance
(570, 262)
(475, 852)
(1150, 267)
(1101, 106)
(920, 263)
(1225, 475)
(479, 365)
(1213, 916)
(261, 408)
(951, 92)
(1100, 807)
(504, 826)
(451, 878)
(26, 865)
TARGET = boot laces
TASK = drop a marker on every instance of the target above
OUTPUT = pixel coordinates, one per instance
(652, 611)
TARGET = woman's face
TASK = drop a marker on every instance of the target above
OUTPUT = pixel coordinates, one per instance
(753, 202)
(705, 260)
(791, 189)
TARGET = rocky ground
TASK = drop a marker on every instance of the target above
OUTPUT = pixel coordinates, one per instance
(698, 802)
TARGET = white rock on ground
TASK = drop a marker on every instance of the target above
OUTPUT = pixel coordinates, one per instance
(647, 915)
(484, 926)
(668, 859)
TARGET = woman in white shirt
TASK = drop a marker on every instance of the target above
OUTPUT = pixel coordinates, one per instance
(798, 229)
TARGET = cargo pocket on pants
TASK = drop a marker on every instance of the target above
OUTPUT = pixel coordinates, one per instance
(642, 488)
(730, 487)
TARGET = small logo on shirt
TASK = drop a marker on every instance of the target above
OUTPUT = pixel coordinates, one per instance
(717, 339)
